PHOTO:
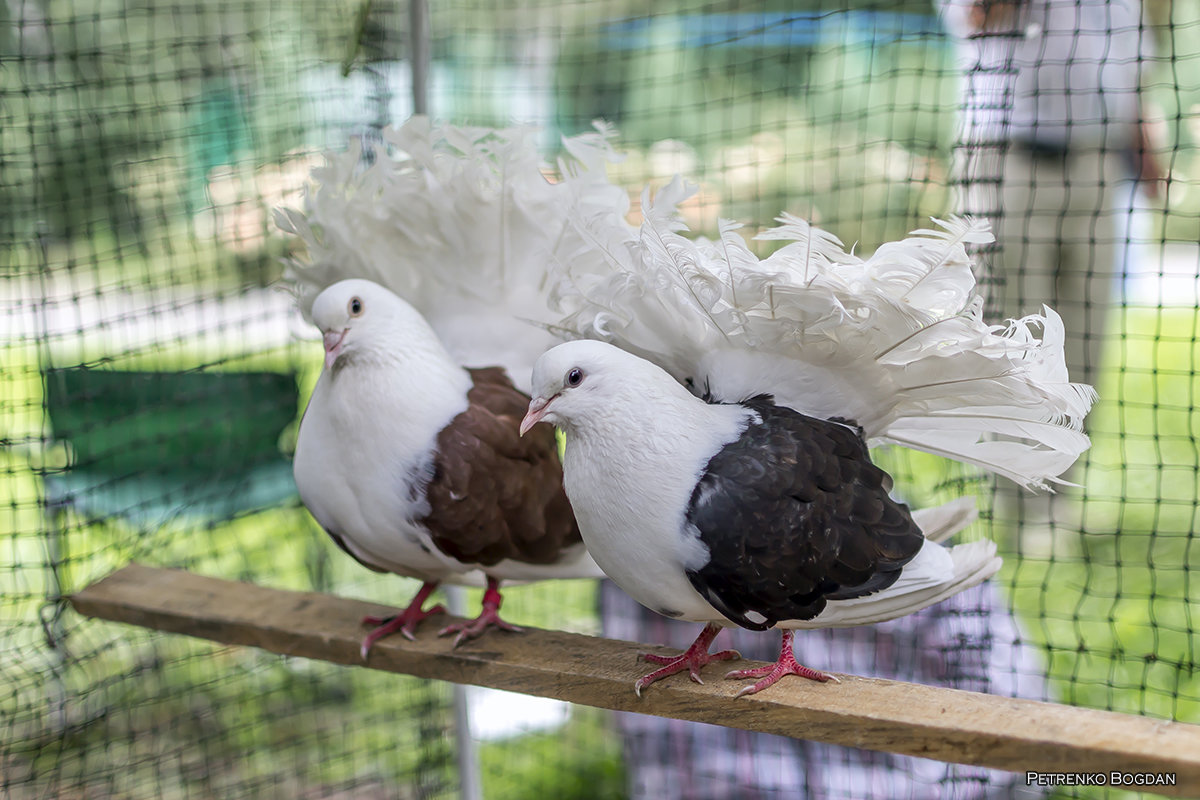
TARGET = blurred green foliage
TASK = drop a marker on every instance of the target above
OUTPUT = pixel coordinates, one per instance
(112, 124)
(114, 111)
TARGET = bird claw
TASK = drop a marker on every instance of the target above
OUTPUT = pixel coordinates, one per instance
(488, 618)
(771, 673)
(767, 682)
(691, 659)
(405, 623)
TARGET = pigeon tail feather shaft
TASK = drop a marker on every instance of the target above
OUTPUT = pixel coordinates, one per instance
(895, 343)
(461, 222)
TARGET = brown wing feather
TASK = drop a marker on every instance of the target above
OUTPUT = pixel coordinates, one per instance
(495, 495)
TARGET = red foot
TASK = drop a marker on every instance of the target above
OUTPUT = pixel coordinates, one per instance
(489, 616)
(405, 622)
(691, 659)
(786, 665)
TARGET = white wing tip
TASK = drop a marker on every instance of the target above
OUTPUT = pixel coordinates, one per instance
(975, 562)
(941, 522)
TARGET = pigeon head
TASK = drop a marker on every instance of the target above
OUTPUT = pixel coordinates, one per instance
(587, 381)
(358, 316)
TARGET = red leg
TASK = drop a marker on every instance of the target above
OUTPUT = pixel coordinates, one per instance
(489, 616)
(786, 665)
(691, 659)
(405, 622)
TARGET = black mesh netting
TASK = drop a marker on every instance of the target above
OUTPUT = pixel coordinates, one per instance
(153, 372)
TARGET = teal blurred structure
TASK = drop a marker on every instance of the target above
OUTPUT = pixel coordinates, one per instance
(149, 448)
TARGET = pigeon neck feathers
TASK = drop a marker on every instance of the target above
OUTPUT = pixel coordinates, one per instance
(399, 373)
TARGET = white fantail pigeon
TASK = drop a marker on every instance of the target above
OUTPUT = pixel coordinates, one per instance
(414, 465)
(758, 504)
(462, 223)
(735, 513)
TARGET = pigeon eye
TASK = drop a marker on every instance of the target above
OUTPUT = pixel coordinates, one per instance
(574, 376)
(356, 307)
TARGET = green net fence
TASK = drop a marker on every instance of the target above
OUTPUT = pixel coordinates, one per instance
(153, 371)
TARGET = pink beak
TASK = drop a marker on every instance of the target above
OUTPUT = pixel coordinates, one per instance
(333, 346)
(537, 410)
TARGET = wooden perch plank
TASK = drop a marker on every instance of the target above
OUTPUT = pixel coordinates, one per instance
(945, 724)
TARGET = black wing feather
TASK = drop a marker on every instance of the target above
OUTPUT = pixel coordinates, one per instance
(794, 514)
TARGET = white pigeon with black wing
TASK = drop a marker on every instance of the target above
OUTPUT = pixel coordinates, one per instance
(729, 481)
(737, 513)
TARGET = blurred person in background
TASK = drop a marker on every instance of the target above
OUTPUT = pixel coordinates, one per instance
(1052, 143)
(1052, 147)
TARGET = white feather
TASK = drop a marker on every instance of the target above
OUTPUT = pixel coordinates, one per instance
(939, 523)
(895, 342)
(463, 223)
(933, 575)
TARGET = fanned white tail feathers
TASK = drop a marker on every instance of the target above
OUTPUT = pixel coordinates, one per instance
(460, 222)
(895, 342)
(463, 224)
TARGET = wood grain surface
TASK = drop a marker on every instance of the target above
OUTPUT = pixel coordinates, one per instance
(945, 724)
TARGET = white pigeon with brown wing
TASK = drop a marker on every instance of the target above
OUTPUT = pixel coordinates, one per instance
(414, 465)
(409, 454)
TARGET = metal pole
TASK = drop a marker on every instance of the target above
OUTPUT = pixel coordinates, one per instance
(418, 44)
(470, 781)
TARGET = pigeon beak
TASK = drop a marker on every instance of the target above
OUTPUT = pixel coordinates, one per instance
(537, 410)
(333, 346)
